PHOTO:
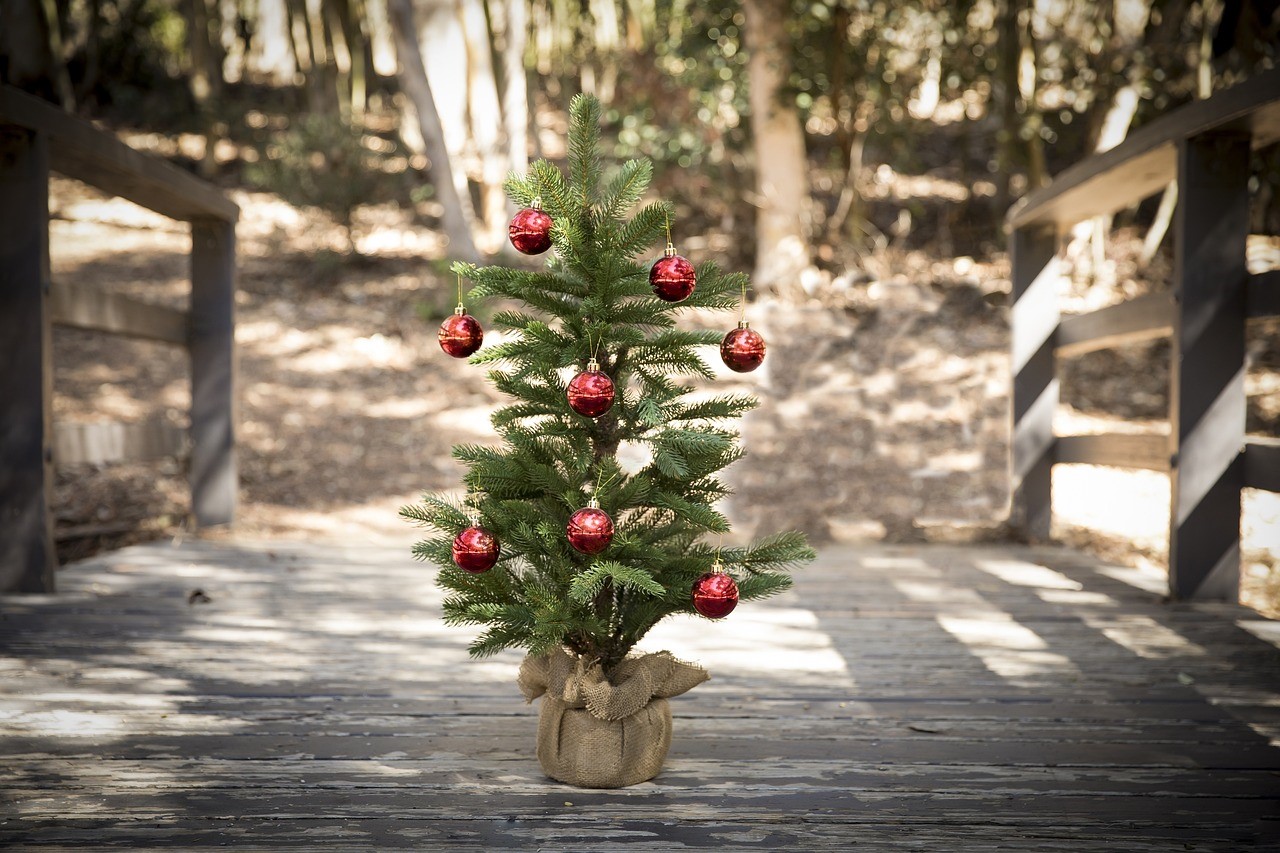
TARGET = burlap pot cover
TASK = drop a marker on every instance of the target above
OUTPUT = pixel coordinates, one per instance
(597, 734)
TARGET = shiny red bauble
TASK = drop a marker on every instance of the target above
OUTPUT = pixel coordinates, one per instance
(460, 335)
(715, 594)
(475, 550)
(742, 349)
(672, 277)
(591, 392)
(590, 530)
(530, 231)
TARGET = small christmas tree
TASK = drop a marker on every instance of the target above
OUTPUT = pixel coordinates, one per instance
(556, 545)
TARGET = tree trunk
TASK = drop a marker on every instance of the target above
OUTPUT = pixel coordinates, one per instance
(413, 80)
(782, 181)
(24, 47)
(205, 80)
(515, 84)
(485, 116)
(1006, 95)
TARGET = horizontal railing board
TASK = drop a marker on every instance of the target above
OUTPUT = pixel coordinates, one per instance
(1145, 163)
(1264, 294)
(106, 442)
(79, 150)
(1139, 319)
(1262, 464)
(1118, 450)
(84, 307)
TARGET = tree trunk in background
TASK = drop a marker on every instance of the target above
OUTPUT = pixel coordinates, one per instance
(782, 181)
(1005, 94)
(24, 45)
(442, 43)
(485, 116)
(205, 80)
(515, 84)
(413, 80)
(273, 51)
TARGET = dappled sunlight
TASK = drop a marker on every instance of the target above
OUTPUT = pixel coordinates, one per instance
(1028, 574)
(757, 638)
(1132, 504)
(1005, 646)
(1008, 649)
(1143, 636)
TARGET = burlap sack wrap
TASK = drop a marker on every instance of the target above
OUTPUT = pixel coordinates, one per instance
(597, 734)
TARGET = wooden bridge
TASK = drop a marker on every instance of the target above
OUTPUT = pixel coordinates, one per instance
(924, 698)
(276, 695)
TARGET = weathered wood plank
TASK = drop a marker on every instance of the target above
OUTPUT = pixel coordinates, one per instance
(1146, 161)
(1207, 393)
(27, 555)
(214, 469)
(1263, 294)
(949, 696)
(1141, 319)
(79, 150)
(1262, 464)
(1117, 449)
(105, 442)
(85, 307)
(1035, 384)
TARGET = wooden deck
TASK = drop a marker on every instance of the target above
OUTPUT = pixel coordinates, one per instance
(904, 698)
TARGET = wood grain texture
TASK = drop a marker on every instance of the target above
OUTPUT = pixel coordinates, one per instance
(1141, 319)
(85, 306)
(899, 698)
(27, 554)
(110, 441)
(1146, 161)
(81, 151)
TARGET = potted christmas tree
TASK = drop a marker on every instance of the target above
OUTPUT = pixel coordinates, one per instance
(558, 548)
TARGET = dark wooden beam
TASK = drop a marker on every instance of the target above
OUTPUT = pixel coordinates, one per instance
(1207, 392)
(1147, 160)
(27, 556)
(1035, 384)
(1262, 464)
(106, 442)
(1140, 319)
(1264, 294)
(1119, 450)
(79, 150)
(214, 478)
(85, 307)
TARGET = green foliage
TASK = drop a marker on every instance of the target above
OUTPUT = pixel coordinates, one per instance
(593, 298)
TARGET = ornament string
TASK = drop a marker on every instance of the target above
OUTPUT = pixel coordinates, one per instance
(666, 219)
(460, 305)
(742, 303)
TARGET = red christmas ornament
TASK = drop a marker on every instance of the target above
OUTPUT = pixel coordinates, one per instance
(672, 277)
(591, 392)
(530, 230)
(460, 335)
(742, 349)
(715, 594)
(475, 550)
(590, 529)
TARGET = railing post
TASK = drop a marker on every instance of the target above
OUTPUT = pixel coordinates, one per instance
(214, 478)
(1034, 322)
(1207, 393)
(27, 555)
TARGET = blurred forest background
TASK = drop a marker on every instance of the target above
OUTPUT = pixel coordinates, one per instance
(857, 156)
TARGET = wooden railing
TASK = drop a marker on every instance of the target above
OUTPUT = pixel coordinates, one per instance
(1205, 147)
(36, 138)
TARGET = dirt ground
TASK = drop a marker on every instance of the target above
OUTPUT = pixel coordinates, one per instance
(884, 396)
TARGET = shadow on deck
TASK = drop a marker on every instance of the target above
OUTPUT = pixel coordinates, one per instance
(915, 698)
